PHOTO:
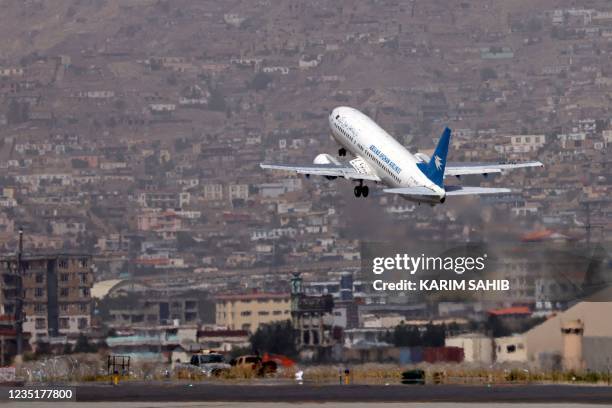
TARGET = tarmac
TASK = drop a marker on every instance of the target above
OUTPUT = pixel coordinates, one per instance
(136, 395)
(287, 405)
(343, 393)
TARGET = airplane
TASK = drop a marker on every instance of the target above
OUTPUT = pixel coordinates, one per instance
(379, 158)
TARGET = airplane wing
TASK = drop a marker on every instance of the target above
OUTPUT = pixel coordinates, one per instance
(412, 191)
(450, 191)
(329, 170)
(460, 169)
(461, 190)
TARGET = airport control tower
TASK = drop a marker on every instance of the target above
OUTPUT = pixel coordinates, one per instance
(572, 333)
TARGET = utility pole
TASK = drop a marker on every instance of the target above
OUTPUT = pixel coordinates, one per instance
(19, 300)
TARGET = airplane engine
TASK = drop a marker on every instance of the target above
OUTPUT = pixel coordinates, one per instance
(422, 157)
(325, 158)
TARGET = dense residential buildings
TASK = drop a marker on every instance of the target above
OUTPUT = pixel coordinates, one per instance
(133, 145)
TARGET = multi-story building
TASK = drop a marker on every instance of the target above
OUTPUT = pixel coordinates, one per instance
(213, 192)
(248, 311)
(527, 143)
(56, 294)
(155, 309)
(238, 192)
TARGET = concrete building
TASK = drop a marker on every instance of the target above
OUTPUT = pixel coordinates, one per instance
(57, 294)
(527, 143)
(248, 311)
(155, 309)
(545, 343)
(477, 348)
(212, 192)
(238, 192)
(222, 340)
(510, 349)
(572, 332)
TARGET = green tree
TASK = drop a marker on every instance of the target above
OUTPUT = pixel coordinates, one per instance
(487, 73)
(276, 338)
(534, 25)
(42, 348)
(83, 345)
(216, 102)
(434, 335)
(79, 164)
(406, 336)
(18, 112)
(260, 81)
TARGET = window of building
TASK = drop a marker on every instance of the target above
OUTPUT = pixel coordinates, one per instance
(84, 262)
(84, 292)
(263, 313)
(63, 307)
(245, 313)
(41, 324)
(62, 263)
(40, 278)
(64, 323)
(38, 292)
(83, 277)
(277, 312)
(82, 323)
(64, 277)
(64, 292)
(39, 308)
(83, 308)
(246, 326)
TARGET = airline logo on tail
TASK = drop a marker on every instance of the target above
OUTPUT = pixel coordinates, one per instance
(434, 170)
(438, 162)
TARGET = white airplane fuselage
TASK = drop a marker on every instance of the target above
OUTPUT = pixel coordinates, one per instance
(384, 155)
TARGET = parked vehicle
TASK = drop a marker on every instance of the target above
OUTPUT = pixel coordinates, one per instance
(211, 364)
(413, 377)
(256, 364)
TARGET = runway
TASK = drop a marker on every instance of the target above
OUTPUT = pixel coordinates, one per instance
(163, 392)
(289, 405)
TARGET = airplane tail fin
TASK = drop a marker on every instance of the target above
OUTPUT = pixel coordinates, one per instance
(434, 170)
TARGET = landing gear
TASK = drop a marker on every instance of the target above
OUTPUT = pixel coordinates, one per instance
(342, 152)
(361, 190)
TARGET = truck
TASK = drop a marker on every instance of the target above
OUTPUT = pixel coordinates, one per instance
(255, 363)
(210, 364)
